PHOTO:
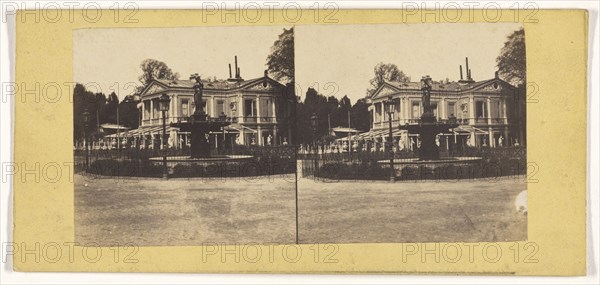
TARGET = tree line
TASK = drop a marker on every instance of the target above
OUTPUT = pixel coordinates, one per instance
(331, 111)
(102, 109)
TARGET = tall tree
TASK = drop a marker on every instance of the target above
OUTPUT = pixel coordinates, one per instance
(155, 69)
(280, 62)
(83, 101)
(359, 115)
(511, 62)
(386, 72)
(129, 114)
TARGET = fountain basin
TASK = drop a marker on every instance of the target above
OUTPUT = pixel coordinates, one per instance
(400, 164)
(203, 160)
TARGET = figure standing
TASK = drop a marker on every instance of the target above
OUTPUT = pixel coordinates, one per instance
(426, 97)
(198, 89)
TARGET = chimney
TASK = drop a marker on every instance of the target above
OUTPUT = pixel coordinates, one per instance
(230, 70)
(496, 74)
(467, 68)
(266, 73)
(461, 74)
(239, 75)
(470, 78)
(237, 70)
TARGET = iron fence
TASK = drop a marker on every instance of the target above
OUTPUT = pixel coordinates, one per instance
(235, 162)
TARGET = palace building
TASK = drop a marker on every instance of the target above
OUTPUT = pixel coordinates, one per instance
(260, 110)
(488, 112)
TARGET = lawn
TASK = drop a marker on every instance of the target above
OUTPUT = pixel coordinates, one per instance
(152, 212)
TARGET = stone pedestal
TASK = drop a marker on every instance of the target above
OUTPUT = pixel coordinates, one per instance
(200, 127)
(428, 128)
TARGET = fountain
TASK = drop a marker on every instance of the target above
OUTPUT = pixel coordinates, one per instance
(200, 125)
(428, 128)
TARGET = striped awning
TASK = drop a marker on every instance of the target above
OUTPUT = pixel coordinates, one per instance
(142, 131)
(469, 129)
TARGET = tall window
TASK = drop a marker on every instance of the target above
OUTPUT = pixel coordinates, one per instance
(250, 108)
(147, 110)
(480, 110)
(264, 108)
(185, 108)
(495, 109)
(220, 108)
(451, 111)
(434, 108)
(416, 110)
(377, 113)
(155, 109)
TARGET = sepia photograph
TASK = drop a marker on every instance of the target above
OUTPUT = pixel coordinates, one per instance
(411, 133)
(308, 134)
(183, 136)
(298, 140)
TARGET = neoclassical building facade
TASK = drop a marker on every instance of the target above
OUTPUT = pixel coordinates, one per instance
(485, 110)
(259, 108)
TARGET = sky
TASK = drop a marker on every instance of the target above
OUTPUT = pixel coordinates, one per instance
(339, 59)
(110, 58)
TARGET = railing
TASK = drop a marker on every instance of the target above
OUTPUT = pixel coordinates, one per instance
(256, 119)
(158, 121)
(154, 121)
(460, 121)
(234, 161)
(500, 161)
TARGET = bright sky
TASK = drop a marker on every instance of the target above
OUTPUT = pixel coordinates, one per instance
(338, 60)
(111, 57)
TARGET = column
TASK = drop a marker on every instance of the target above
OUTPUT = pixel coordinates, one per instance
(373, 115)
(259, 136)
(488, 111)
(176, 105)
(382, 115)
(172, 105)
(212, 107)
(406, 112)
(274, 113)
(275, 140)
(440, 108)
(471, 110)
(240, 109)
(258, 113)
(143, 112)
(151, 111)
(242, 139)
(504, 111)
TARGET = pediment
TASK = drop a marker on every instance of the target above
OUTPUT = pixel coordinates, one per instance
(496, 85)
(154, 88)
(384, 91)
(266, 84)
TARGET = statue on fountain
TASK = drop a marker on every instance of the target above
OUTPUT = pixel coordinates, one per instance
(426, 97)
(199, 104)
(429, 128)
(198, 124)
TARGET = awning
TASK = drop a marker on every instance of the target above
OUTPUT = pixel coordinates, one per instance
(113, 127)
(374, 134)
(469, 129)
(142, 131)
(247, 128)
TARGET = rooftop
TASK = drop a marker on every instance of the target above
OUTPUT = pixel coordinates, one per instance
(438, 86)
(208, 84)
